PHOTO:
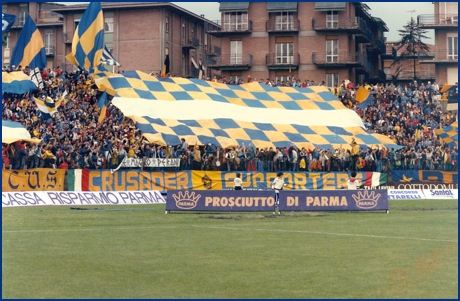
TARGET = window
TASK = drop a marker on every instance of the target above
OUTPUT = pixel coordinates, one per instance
(76, 19)
(452, 48)
(183, 33)
(332, 80)
(167, 23)
(332, 19)
(23, 14)
(236, 52)
(7, 39)
(282, 77)
(284, 21)
(108, 24)
(48, 39)
(235, 21)
(284, 53)
(332, 55)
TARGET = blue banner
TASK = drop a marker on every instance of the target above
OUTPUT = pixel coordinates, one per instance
(247, 200)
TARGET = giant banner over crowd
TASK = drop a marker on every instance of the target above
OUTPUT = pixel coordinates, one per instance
(230, 115)
(134, 180)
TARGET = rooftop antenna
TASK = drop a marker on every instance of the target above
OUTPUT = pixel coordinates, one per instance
(410, 11)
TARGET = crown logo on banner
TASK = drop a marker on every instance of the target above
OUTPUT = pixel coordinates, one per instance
(367, 199)
(186, 200)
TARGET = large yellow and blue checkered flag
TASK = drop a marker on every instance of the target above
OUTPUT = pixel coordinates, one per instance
(205, 112)
(449, 134)
(30, 48)
(88, 41)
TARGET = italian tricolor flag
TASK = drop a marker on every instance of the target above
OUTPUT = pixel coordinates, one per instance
(78, 179)
(374, 179)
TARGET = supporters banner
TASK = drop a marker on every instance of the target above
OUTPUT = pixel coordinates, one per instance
(424, 176)
(129, 180)
(43, 198)
(150, 162)
(313, 200)
(38, 179)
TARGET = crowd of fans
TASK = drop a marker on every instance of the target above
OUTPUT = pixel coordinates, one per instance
(73, 138)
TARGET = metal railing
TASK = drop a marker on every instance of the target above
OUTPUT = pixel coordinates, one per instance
(342, 57)
(409, 75)
(286, 60)
(438, 19)
(236, 27)
(357, 23)
(49, 50)
(277, 26)
(439, 55)
(191, 42)
(212, 50)
(236, 60)
(380, 45)
(212, 61)
(48, 16)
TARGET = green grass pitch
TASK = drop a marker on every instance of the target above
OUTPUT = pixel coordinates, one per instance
(141, 252)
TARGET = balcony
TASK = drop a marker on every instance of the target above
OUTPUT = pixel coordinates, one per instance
(212, 62)
(191, 43)
(378, 75)
(228, 29)
(341, 59)
(20, 19)
(46, 17)
(212, 50)
(438, 21)
(439, 56)
(377, 46)
(50, 50)
(407, 75)
(273, 26)
(275, 61)
(358, 27)
(235, 62)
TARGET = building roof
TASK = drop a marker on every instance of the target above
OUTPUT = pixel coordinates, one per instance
(129, 5)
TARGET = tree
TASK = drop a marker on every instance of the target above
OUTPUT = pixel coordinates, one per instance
(411, 45)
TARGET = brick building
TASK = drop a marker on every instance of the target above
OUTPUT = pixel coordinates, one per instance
(321, 41)
(404, 71)
(49, 24)
(140, 34)
(444, 21)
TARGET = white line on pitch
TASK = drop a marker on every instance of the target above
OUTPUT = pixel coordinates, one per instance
(85, 229)
(330, 233)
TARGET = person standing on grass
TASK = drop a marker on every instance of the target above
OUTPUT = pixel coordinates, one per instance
(237, 183)
(277, 185)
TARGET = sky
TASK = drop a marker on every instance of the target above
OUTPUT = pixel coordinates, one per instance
(394, 14)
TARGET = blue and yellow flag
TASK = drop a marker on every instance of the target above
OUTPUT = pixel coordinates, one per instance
(203, 112)
(15, 131)
(364, 97)
(449, 134)
(7, 22)
(17, 82)
(102, 104)
(47, 106)
(108, 59)
(30, 49)
(88, 41)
